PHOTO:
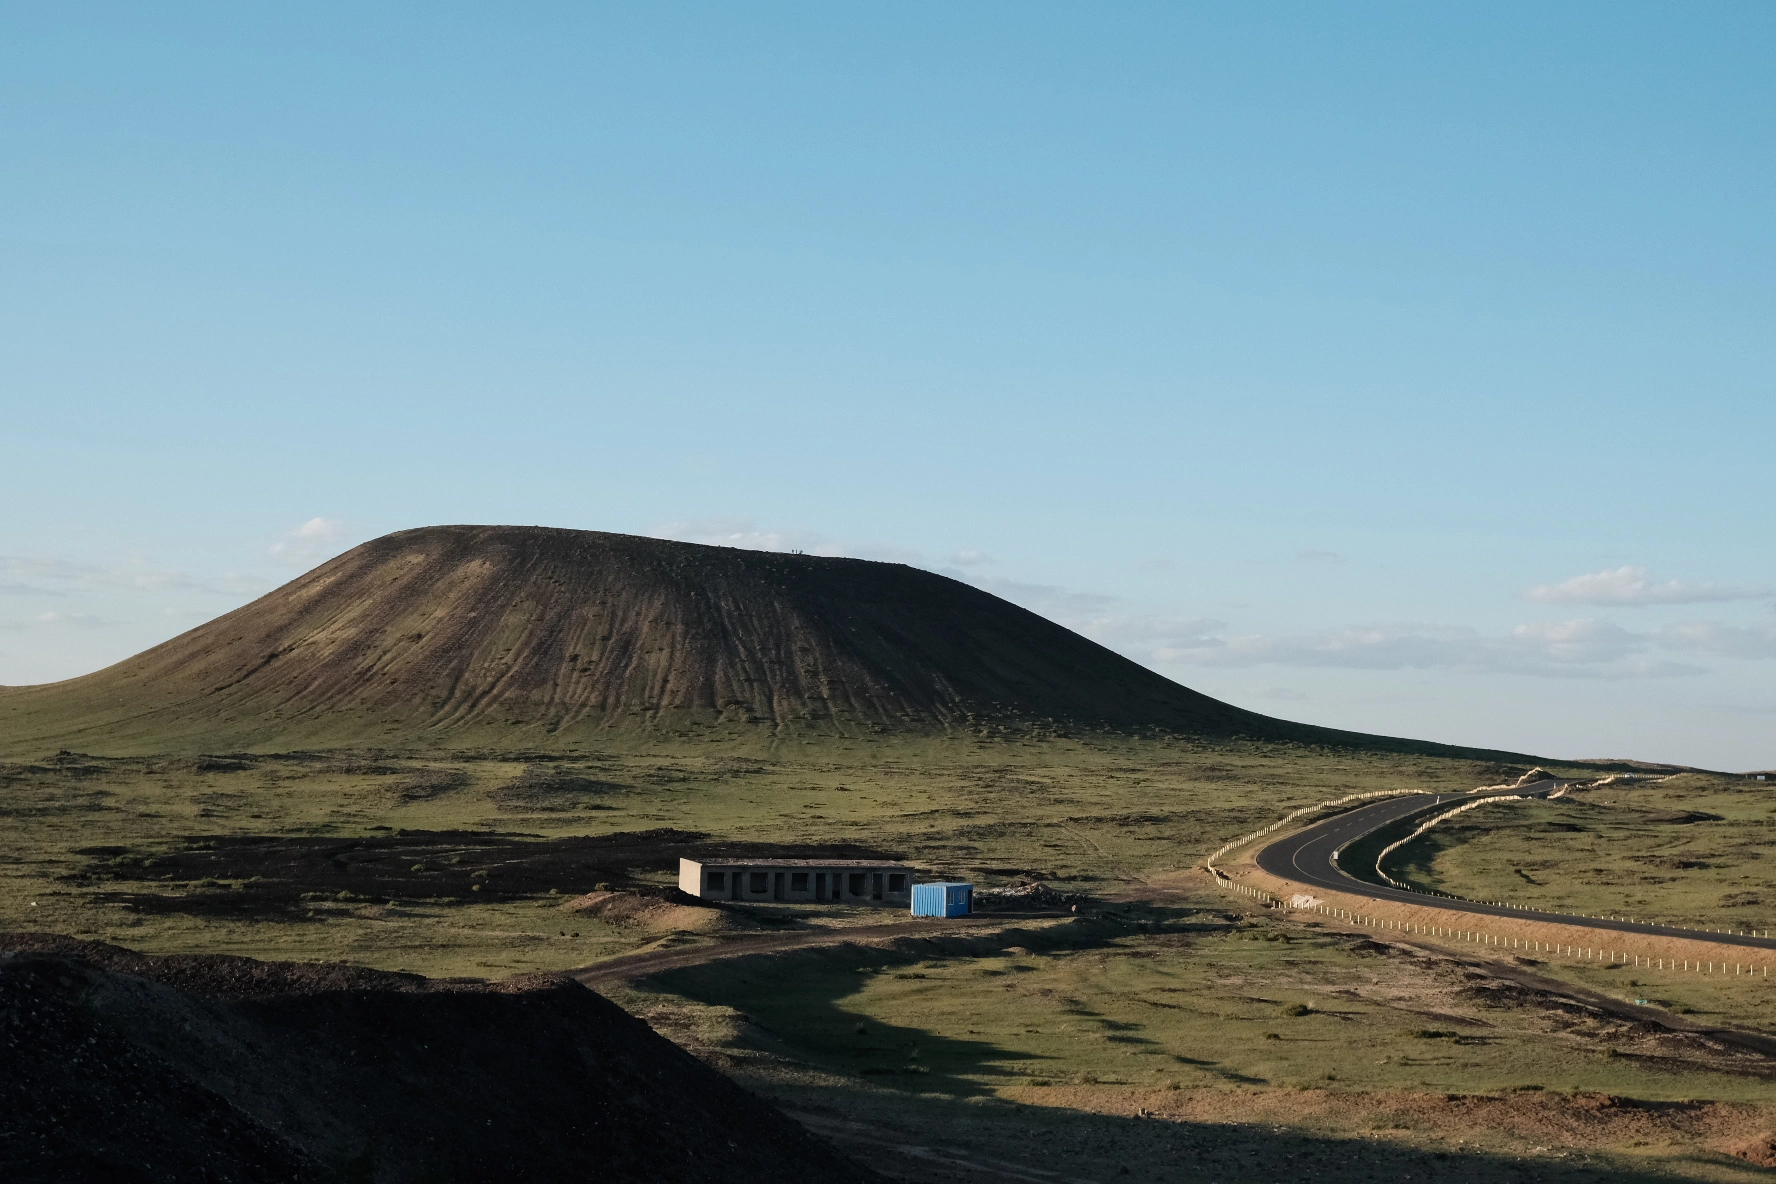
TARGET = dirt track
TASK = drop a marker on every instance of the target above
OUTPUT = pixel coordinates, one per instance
(1513, 972)
(630, 966)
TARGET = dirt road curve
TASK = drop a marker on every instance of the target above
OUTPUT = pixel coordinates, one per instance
(1523, 976)
(628, 966)
(1309, 857)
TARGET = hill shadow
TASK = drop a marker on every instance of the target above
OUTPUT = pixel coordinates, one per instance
(994, 1140)
(922, 1104)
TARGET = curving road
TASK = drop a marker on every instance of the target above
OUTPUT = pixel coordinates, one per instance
(1309, 857)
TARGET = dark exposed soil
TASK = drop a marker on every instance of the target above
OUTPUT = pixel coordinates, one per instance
(552, 638)
(542, 788)
(1760, 1149)
(128, 1068)
(272, 877)
(430, 783)
(1680, 817)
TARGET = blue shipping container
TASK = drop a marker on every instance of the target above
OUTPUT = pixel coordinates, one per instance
(943, 900)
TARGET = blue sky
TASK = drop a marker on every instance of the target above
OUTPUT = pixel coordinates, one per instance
(1402, 367)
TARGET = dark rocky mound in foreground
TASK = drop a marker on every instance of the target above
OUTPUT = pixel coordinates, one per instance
(119, 1067)
(499, 635)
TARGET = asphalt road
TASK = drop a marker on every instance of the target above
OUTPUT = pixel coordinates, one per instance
(1306, 858)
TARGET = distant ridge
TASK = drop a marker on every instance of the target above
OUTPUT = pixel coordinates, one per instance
(530, 636)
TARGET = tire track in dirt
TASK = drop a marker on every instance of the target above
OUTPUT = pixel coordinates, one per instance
(1096, 849)
(1522, 976)
(625, 967)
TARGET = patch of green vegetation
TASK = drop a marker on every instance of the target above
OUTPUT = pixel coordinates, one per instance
(1100, 1024)
(1195, 997)
(1691, 851)
(1090, 814)
(1188, 1002)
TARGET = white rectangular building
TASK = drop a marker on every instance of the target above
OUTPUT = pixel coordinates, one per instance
(847, 881)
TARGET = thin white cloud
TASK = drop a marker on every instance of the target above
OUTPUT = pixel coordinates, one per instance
(1581, 642)
(1581, 648)
(1630, 585)
(1063, 605)
(314, 540)
(746, 534)
(76, 620)
(318, 528)
(1566, 649)
(743, 533)
(1726, 641)
(1577, 648)
(50, 575)
(1095, 615)
(1126, 631)
(47, 569)
(55, 620)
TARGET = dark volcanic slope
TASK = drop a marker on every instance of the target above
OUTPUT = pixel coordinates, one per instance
(199, 1069)
(454, 631)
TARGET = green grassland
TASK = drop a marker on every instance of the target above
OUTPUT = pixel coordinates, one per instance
(1274, 1044)
(1694, 850)
(1089, 815)
(1263, 1045)
(1177, 997)
(1112, 819)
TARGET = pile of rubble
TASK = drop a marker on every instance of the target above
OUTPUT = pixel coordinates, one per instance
(1025, 896)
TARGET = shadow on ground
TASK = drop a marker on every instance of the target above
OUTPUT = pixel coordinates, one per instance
(918, 1138)
(923, 1105)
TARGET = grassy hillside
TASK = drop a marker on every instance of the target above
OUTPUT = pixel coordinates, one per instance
(510, 638)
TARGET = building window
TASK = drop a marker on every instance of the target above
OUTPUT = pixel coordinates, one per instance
(897, 882)
(798, 881)
(857, 882)
(758, 881)
(718, 880)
